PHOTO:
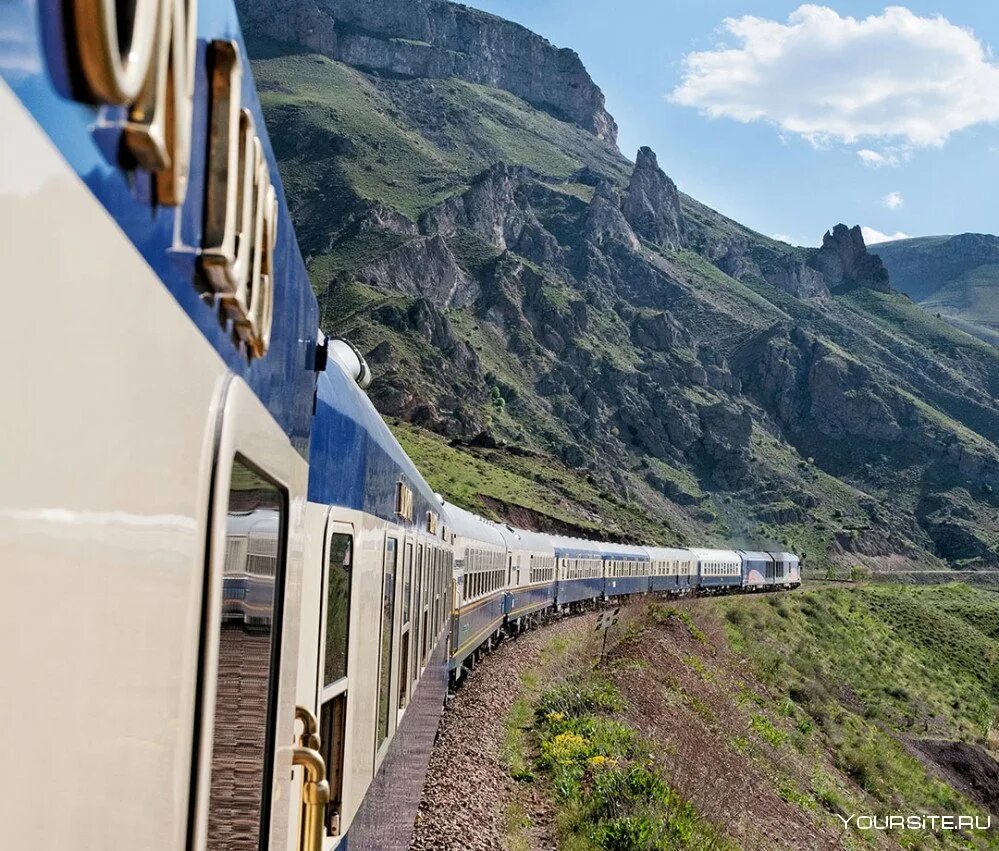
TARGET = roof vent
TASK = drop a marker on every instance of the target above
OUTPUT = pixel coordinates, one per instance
(351, 360)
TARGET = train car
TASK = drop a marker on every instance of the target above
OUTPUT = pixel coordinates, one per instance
(757, 570)
(375, 614)
(530, 575)
(146, 236)
(787, 570)
(580, 570)
(670, 569)
(717, 570)
(626, 569)
(480, 576)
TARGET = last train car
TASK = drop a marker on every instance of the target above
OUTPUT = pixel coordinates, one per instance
(160, 354)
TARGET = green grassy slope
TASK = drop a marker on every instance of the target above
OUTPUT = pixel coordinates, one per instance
(763, 722)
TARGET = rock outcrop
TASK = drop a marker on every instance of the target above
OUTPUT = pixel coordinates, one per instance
(652, 203)
(438, 39)
(844, 261)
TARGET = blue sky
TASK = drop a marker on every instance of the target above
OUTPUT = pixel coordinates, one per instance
(889, 120)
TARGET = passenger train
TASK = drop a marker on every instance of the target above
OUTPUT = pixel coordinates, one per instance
(233, 604)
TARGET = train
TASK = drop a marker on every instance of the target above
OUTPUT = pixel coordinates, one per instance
(234, 606)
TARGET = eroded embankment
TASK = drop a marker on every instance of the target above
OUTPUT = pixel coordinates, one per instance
(754, 723)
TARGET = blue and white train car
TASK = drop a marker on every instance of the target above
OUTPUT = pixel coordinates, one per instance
(180, 392)
(757, 570)
(580, 570)
(376, 611)
(717, 570)
(480, 571)
(626, 569)
(670, 569)
(787, 570)
(531, 575)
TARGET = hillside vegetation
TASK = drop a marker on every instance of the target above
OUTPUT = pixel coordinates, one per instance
(954, 277)
(763, 722)
(609, 355)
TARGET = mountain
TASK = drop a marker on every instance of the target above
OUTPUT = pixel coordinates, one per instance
(955, 277)
(563, 338)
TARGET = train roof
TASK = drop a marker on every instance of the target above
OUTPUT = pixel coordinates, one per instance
(567, 547)
(355, 460)
(633, 552)
(525, 539)
(473, 527)
(781, 556)
(669, 553)
(755, 555)
(715, 555)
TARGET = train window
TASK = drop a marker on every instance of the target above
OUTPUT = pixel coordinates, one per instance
(407, 582)
(332, 734)
(338, 581)
(385, 654)
(249, 649)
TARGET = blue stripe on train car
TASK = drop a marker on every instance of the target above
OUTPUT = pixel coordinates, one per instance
(33, 62)
(474, 623)
(574, 590)
(666, 583)
(615, 586)
(528, 599)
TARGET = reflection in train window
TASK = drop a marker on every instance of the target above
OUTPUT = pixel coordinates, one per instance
(337, 607)
(249, 638)
(385, 655)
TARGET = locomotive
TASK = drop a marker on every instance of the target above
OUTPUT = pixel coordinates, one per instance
(234, 605)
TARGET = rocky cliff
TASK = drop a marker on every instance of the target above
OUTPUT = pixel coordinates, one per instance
(844, 261)
(564, 338)
(437, 39)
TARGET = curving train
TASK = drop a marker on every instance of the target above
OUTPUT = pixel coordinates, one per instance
(233, 604)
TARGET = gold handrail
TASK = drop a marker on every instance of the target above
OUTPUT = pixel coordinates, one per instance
(315, 797)
(310, 728)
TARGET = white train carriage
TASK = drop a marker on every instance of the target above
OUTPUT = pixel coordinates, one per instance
(530, 575)
(626, 569)
(580, 571)
(717, 570)
(480, 578)
(671, 569)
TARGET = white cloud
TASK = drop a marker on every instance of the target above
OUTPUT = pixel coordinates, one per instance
(897, 77)
(893, 200)
(783, 237)
(876, 159)
(873, 237)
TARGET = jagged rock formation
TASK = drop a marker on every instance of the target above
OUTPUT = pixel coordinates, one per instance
(844, 261)
(652, 203)
(439, 39)
(521, 288)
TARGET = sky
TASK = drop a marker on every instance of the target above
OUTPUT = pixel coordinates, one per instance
(791, 117)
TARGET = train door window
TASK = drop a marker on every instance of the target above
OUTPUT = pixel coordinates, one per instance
(338, 583)
(424, 608)
(249, 637)
(385, 649)
(418, 592)
(407, 590)
(332, 734)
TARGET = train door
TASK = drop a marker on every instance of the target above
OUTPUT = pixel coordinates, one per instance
(243, 756)
(334, 645)
(406, 631)
(384, 713)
